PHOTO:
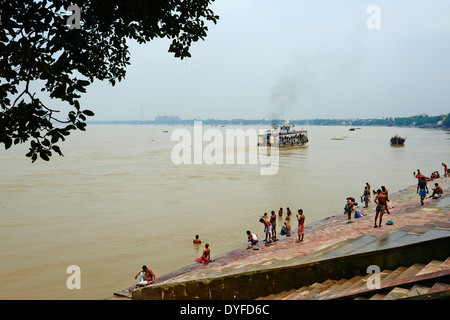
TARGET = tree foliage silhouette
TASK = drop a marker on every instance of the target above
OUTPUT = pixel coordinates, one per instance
(37, 47)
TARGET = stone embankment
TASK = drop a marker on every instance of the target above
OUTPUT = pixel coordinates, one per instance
(329, 238)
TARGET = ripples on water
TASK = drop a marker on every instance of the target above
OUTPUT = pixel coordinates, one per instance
(116, 200)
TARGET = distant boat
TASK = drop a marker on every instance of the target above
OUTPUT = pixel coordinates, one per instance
(285, 136)
(396, 140)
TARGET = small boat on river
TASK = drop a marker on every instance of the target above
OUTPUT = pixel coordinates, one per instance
(396, 140)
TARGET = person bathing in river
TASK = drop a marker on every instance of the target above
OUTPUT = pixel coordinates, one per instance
(288, 211)
(197, 240)
(280, 212)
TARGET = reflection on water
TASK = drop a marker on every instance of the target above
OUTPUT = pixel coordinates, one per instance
(116, 201)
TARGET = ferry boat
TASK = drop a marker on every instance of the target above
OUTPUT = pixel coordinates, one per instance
(283, 136)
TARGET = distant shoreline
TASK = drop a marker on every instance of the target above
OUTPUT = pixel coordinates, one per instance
(259, 122)
(418, 121)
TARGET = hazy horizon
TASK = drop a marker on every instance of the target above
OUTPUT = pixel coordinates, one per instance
(292, 59)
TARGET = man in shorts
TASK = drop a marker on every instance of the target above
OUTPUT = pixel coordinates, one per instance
(381, 203)
(422, 189)
(267, 229)
(273, 222)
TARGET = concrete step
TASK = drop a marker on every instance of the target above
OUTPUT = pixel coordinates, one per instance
(411, 271)
(404, 240)
(349, 283)
(284, 294)
(396, 293)
(325, 252)
(380, 243)
(359, 284)
(314, 292)
(394, 274)
(356, 243)
(439, 286)
(320, 291)
(320, 288)
(334, 288)
(446, 263)
(417, 290)
(434, 234)
(433, 266)
(297, 293)
(305, 292)
(377, 296)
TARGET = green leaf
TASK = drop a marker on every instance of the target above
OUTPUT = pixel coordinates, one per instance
(88, 113)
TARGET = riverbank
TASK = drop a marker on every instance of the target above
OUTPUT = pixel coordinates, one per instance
(406, 214)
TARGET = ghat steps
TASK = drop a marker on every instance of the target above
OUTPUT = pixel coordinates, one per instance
(420, 234)
(338, 271)
(418, 281)
(402, 282)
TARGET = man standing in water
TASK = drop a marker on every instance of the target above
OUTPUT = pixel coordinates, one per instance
(280, 212)
(381, 203)
(422, 189)
(301, 225)
(197, 240)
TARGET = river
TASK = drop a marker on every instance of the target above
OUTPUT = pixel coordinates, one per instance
(116, 200)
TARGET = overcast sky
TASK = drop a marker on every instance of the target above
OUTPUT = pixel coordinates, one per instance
(293, 59)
